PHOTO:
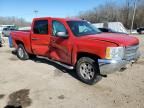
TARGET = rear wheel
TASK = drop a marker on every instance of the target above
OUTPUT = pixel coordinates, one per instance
(88, 70)
(21, 52)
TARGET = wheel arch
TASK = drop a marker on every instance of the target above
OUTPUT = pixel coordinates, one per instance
(19, 42)
(86, 54)
(22, 43)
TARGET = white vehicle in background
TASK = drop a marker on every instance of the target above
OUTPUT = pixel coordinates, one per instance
(6, 31)
(2, 27)
(115, 26)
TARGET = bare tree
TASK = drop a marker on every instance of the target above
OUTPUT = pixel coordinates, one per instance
(13, 20)
(112, 12)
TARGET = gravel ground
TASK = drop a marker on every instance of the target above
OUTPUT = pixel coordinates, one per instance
(41, 84)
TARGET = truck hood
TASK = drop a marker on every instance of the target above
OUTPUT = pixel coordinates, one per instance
(119, 39)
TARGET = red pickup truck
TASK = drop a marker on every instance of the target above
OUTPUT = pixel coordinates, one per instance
(76, 44)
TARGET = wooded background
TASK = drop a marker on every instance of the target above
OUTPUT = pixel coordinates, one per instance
(113, 12)
(13, 20)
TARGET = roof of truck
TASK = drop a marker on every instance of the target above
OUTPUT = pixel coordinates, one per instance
(66, 19)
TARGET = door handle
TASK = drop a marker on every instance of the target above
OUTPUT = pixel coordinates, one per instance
(35, 39)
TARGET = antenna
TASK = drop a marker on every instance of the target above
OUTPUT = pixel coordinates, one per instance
(35, 12)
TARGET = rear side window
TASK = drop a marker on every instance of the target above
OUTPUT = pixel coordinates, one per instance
(41, 27)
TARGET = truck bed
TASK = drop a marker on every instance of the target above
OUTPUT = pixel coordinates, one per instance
(23, 37)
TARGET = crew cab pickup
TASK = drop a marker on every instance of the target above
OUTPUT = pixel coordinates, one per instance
(77, 44)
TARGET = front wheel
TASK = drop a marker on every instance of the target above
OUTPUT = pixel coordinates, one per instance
(88, 70)
(21, 52)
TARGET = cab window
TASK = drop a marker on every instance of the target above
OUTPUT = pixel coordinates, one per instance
(41, 27)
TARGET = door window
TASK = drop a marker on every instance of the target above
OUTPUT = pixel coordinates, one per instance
(58, 27)
(41, 27)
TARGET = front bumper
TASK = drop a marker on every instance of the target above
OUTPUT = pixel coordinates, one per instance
(111, 66)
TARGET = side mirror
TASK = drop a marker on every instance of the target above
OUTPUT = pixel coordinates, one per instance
(62, 34)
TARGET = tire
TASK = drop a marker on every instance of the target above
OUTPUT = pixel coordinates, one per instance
(88, 70)
(21, 53)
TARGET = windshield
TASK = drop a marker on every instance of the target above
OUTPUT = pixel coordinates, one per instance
(82, 28)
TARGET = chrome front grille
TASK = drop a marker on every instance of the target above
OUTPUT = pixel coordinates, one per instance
(131, 52)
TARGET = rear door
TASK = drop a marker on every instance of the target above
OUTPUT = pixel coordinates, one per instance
(40, 37)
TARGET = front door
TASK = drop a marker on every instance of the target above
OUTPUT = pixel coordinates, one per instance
(40, 37)
(60, 47)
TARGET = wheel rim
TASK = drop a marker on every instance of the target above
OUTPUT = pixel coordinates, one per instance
(20, 52)
(87, 71)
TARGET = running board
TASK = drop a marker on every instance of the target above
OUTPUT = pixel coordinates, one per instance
(59, 63)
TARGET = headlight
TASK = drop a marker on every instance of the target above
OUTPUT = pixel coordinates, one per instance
(115, 53)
